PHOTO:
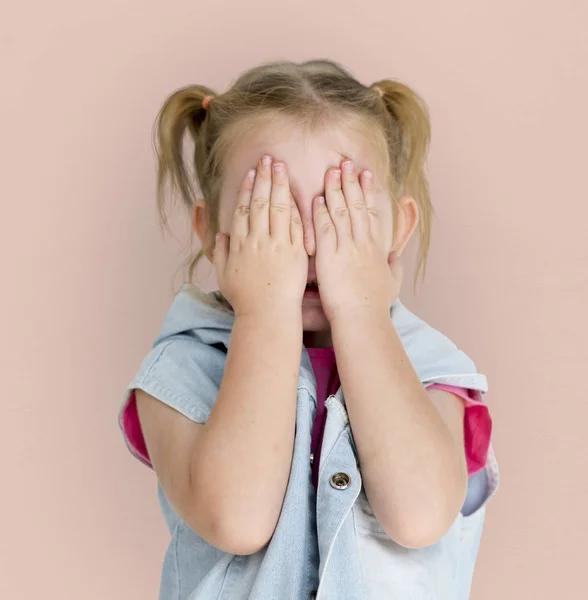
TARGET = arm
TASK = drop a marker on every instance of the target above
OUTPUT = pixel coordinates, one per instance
(227, 478)
(410, 441)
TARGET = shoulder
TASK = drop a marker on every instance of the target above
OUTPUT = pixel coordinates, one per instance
(434, 356)
(183, 373)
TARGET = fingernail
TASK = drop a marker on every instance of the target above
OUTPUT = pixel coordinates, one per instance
(337, 174)
(367, 174)
(348, 166)
(251, 174)
(266, 160)
(278, 167)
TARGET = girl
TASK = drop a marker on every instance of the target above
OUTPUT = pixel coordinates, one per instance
(311, 437)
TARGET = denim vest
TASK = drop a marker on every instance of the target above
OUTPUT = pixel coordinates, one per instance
(327, 544)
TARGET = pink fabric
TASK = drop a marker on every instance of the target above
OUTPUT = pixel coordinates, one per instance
(132, 428)
(477, 421)
(477, 425)
(327, 383)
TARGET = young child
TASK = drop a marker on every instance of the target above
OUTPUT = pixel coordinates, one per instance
(311, 437)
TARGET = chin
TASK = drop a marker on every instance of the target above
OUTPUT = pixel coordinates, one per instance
(314, 319)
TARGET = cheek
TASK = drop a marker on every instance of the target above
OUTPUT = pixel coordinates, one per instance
(228, 200)
(225, 224)
(388, 229)
(386, 225)
(225, 215)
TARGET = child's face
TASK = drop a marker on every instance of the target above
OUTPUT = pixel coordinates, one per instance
(308, 155)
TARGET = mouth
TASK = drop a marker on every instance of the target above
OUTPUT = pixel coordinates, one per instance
(312, 290)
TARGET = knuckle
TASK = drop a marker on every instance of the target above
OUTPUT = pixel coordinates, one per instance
(242, 210)
(358, 204)
(260, 201)
(341, 211)
(279, 208)
(326, 227)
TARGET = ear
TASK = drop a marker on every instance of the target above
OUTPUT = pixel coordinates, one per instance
(200, 224)
(407, 219)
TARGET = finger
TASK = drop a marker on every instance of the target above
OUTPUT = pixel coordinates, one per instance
(240, 225)
(324, 230)
(279, 208)
(296, 229)
(369, 196)
(337, 206)
(260, 198)
(358, 216)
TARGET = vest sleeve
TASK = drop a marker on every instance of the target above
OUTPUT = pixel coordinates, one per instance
(181, 372)
(477, 425)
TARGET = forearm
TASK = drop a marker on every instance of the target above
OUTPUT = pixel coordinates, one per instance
(413, 473)
(245, 451)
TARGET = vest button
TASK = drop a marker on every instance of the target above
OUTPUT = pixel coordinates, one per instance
(340, 481)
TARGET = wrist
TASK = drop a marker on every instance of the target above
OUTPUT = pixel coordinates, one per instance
(362, 317)
(278, 319)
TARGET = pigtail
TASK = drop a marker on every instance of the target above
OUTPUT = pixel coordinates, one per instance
(184, 111)
(410, 112)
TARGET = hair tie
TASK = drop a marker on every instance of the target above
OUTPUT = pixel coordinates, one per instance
(206, 101)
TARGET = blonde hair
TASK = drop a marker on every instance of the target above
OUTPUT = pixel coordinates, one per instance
(312, 92)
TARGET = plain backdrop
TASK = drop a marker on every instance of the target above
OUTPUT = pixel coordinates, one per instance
(86, 275)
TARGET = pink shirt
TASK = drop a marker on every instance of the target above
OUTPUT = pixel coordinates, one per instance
(477, 421)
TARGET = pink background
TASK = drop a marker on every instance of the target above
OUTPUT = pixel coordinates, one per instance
(87, 277)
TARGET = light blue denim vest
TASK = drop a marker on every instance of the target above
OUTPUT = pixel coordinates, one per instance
(327, 545)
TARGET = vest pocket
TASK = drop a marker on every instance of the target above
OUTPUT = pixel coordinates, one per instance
(393, 571)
